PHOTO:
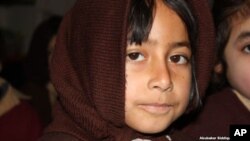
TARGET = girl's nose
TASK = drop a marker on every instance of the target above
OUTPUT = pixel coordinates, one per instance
(160, 78)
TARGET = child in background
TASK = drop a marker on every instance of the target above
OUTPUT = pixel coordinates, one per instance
(36, 66)
(228, 98)
(18, 120)
(125, 70)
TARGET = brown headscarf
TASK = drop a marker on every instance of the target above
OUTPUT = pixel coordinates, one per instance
(88, 70)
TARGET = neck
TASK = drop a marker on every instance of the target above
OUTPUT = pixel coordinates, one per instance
(243, 99)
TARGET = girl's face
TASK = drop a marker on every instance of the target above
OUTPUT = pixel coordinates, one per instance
(237, 57)
(158, 74)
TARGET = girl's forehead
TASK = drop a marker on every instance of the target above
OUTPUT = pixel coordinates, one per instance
(240, 14)
(238, 20)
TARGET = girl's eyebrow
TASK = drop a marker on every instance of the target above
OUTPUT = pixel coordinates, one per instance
(181, 44)
(243, 35)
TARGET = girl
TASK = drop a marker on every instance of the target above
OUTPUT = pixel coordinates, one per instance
(124, 70)
(18, 119)
(228, 101)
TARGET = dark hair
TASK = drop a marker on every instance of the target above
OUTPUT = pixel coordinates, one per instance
(36, 63)
(224, 12)
(140, 22)
(2, 45)
(3, 89)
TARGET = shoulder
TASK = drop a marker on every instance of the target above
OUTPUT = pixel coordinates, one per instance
(25, 122)
(220, 110)
(27, 117)
(218, 103)
(216, 108)
(26, 109)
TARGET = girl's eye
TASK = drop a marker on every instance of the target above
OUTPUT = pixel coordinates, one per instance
(179, 59)
(135, 56)
(246, 49)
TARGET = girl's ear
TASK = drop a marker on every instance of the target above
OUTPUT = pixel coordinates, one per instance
(218, 68)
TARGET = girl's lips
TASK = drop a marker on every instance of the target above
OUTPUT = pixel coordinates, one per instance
(156, 108)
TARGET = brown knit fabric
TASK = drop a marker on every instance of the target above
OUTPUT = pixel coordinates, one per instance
(205, 52)
(88, 70)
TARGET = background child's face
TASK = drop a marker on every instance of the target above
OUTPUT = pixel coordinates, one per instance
(237, 57)
(158, 74)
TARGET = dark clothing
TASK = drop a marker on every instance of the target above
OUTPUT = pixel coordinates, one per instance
(36, 67)
(40, 100)
(57, 136)
(21, 123)
(221, 110)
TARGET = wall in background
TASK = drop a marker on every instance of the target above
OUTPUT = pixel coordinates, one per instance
(22, 18)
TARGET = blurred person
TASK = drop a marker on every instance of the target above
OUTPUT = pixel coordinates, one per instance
(12, 56)
(18, 120)
(38, 84)
(228, 96)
